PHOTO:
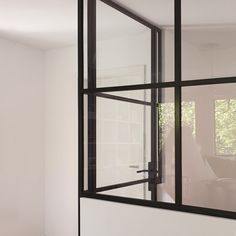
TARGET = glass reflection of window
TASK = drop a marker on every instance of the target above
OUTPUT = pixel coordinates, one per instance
(225, 127)
(166, 111)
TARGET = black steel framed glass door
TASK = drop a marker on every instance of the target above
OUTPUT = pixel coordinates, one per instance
(127, 164)
(125, 127)
(154, 104)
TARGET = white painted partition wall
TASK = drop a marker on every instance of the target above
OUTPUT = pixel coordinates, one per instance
(101, 218)
(61, 145)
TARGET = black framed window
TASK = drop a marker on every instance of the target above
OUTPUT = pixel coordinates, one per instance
(152, 108)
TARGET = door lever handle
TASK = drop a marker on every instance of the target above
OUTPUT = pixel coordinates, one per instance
(147, 171)
(142, 171)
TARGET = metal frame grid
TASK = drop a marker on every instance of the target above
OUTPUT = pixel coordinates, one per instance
(154, 86)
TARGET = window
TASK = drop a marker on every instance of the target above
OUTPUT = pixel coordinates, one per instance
(188, 116)
(225, 127)
(208, 181)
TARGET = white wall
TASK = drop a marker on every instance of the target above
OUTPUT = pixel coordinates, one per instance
(103, 218)
(21, 140)
(38, 141)
(61, 142)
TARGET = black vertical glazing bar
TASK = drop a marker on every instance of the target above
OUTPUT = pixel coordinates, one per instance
(160, 94)
(178, 135)
(91, 97)
(80, 93)
(80, 104)
(153, 165)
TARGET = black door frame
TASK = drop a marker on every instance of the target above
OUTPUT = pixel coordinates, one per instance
(155, 165)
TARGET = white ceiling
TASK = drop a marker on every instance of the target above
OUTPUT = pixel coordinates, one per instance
(194, 12)
(43, 24)
(53, 23)
(112, 24)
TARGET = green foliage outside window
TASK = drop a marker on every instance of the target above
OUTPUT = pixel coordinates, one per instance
(225, 122)
(225, 127)
(167, 116)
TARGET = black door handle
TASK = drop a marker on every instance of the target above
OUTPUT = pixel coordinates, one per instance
(142, 171)
(147, 171)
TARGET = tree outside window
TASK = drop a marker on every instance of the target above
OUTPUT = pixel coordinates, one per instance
(225, 127)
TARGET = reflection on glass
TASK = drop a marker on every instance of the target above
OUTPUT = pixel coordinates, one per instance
(225, 127)
(166, 190)
(209, 158)
(167, 117)
(123, 44)
(208, 39)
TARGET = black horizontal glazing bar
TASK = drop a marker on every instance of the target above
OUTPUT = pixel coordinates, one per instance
(121, 185)
(123, 99)
(129, 87)
(220, 80)
(163, 205)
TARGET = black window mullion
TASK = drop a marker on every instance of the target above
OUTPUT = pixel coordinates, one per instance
(160, 98)
(178, 135)
(80, 106)
(153, 164)
(91, 97)
(80, 93)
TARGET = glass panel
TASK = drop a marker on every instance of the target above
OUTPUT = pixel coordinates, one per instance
(122, 128)
(123, 45)
(135, 191)
(161, 14)
(166, 134)
(225, 129)
(209, 144)
(208, 39)
(123, 49)
(125, 143)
